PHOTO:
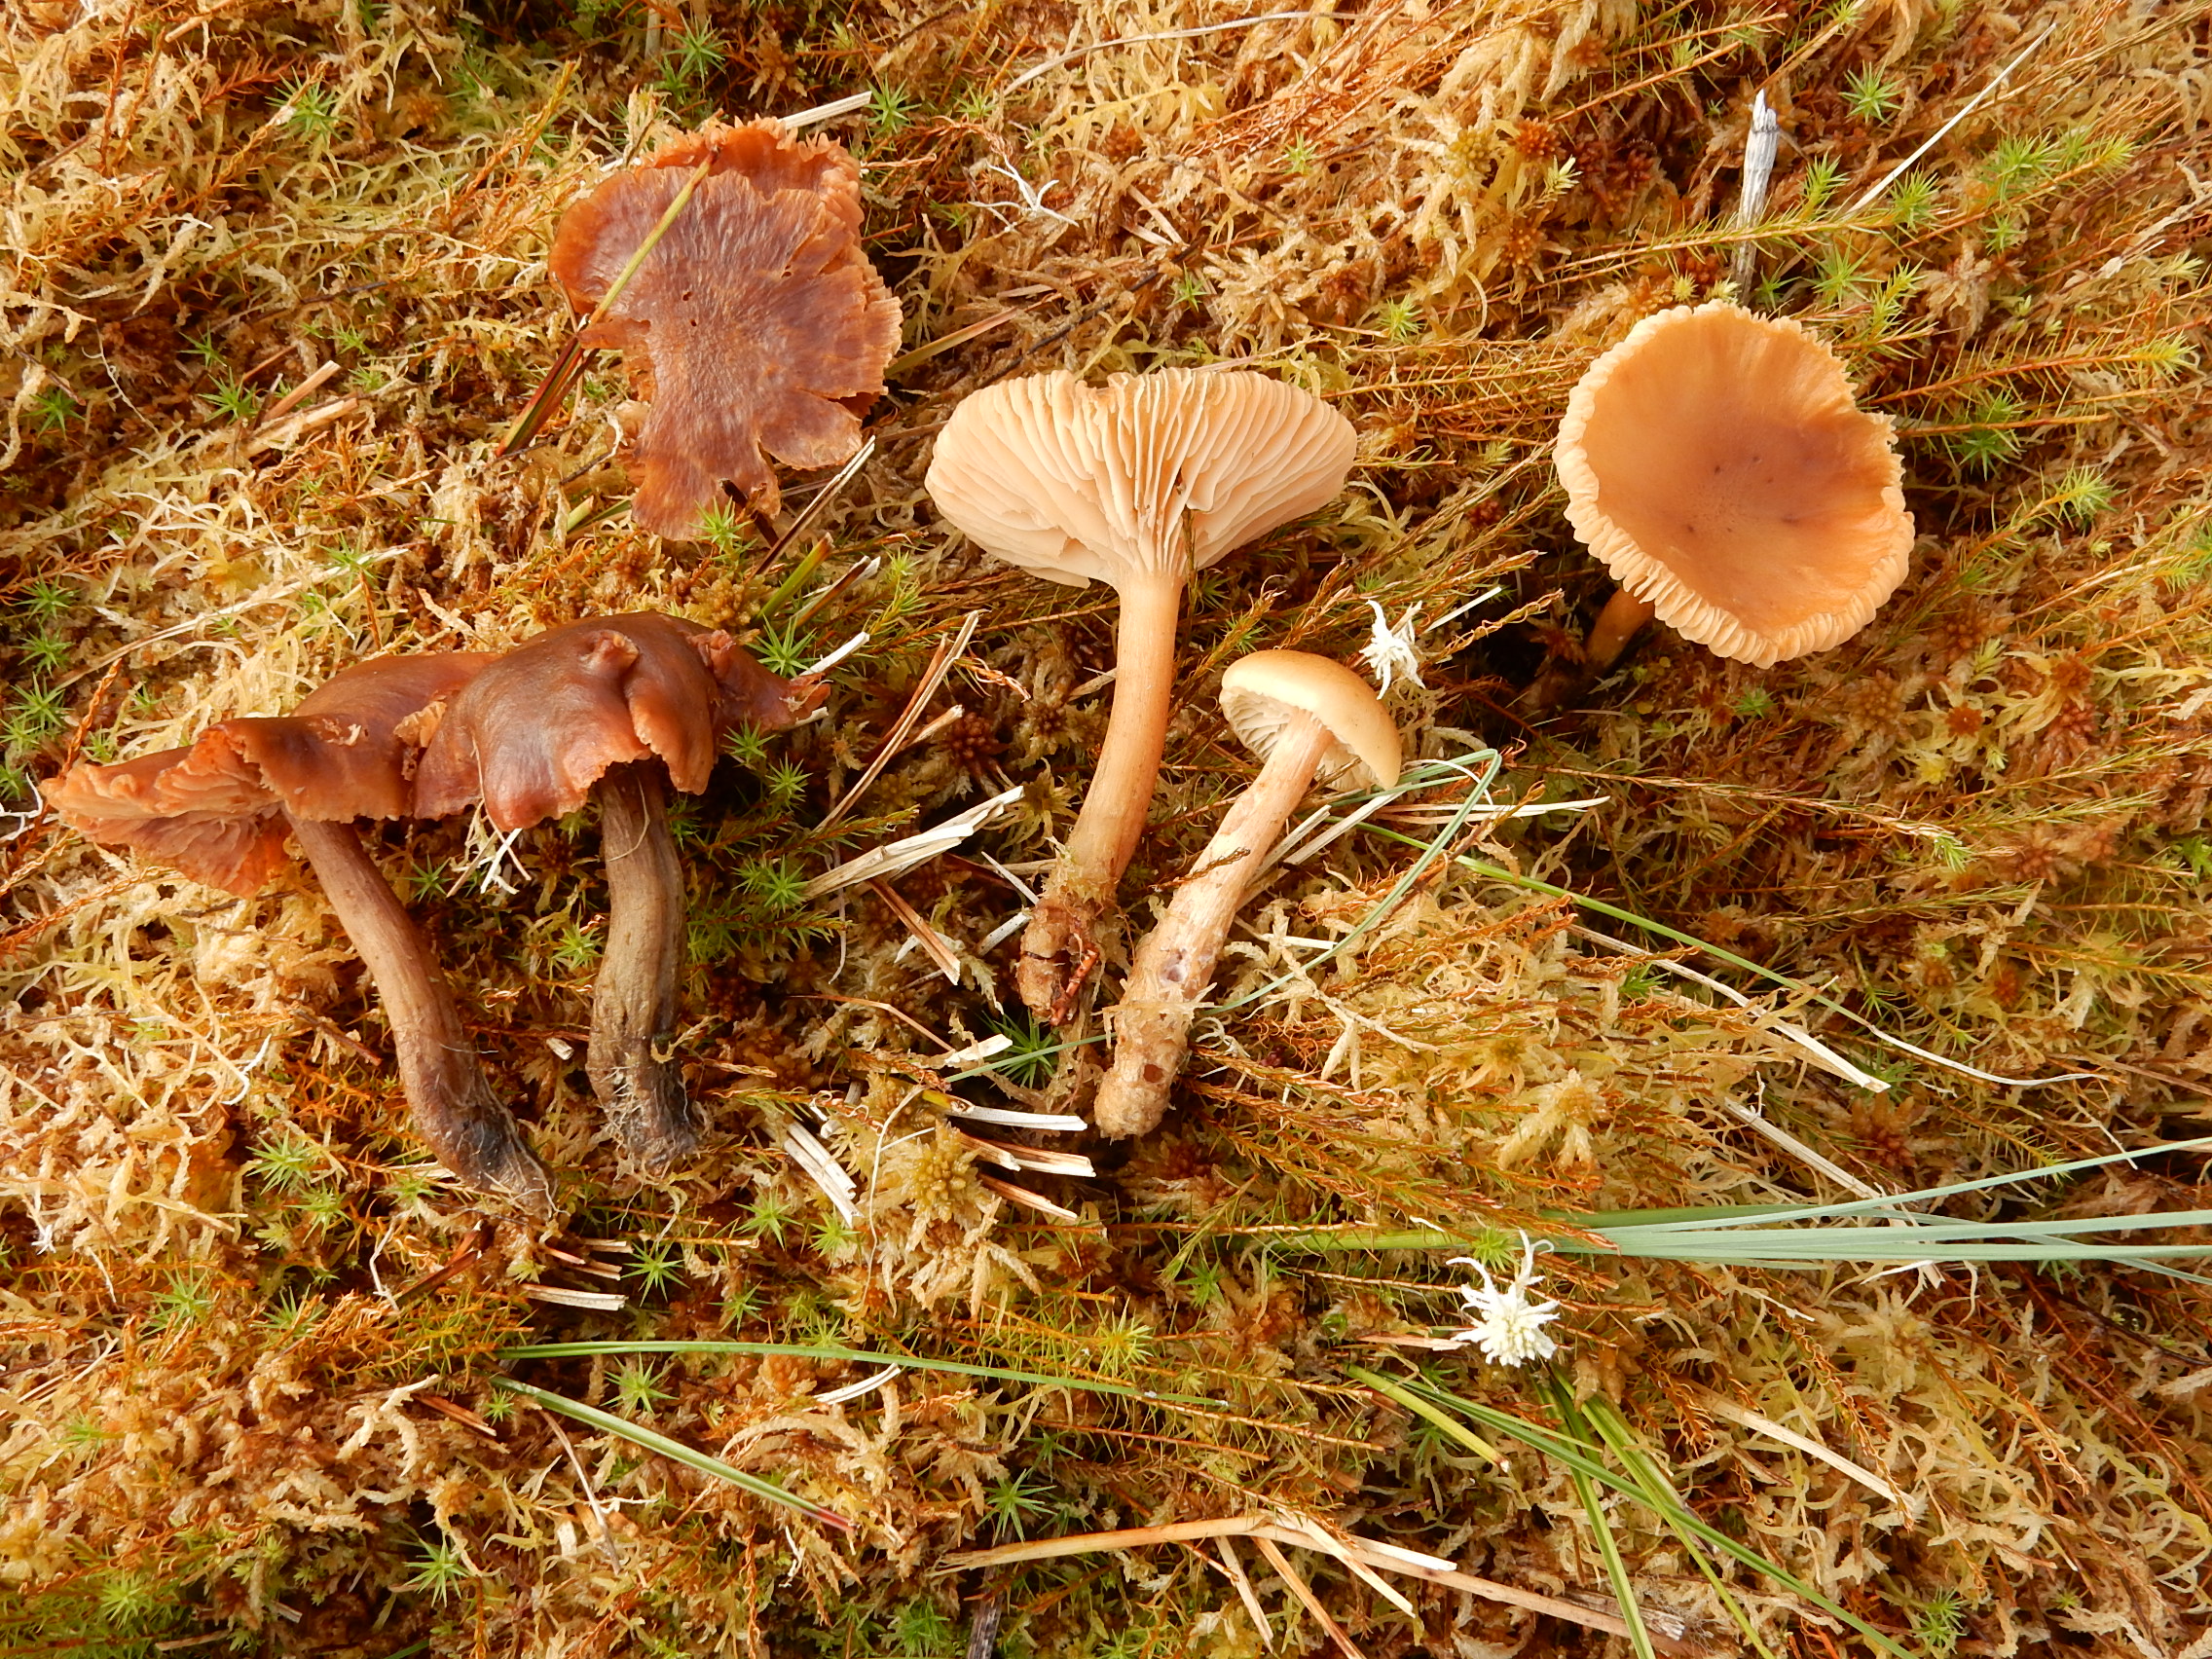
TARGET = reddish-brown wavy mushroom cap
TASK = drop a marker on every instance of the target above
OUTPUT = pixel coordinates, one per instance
(763, 324)
(1716, 462)
(215, 811)
(533, 732)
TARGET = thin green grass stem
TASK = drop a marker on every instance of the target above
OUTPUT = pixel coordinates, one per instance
(607, 1423)
(1443, 1408)
(1608, 1546)
(1497, 873)
(569, 362)
(861, 1356)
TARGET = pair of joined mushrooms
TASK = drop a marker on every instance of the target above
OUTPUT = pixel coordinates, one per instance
(1717, 461)
(603, 708)
(1139, 484)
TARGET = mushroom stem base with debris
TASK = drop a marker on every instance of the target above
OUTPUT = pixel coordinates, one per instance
(633, 1011)
(453, 1109)
(1174, 965)
(1058, 952)
(1566, 678)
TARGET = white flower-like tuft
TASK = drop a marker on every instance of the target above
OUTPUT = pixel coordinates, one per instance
(1508, 1327)
(1391, 653)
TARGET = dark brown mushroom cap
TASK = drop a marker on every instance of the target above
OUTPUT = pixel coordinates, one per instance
(215, 811)
(537, 729)
(763, 323)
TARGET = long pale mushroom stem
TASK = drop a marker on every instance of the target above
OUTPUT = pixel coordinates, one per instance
(1174, 966)
(1057, 950)
(452, 1106)
(633, 1011)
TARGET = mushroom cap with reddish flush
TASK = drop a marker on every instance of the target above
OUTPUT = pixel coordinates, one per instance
(1715, 461)
(533, 732)
(1155, 472)
(764, 326)
(1261, 694)
(215, 810)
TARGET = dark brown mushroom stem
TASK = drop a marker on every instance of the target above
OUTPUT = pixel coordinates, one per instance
(454, 1110)
(617, 710)
(633, 1012)
(1174, 965)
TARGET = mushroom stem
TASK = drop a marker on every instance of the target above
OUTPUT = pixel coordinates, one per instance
(1623, 618)
(1567, 674)
(633, 1011)
(1174, 965)
(1057, 950)
(452, 1103)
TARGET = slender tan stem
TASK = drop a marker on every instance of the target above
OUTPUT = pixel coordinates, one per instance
(1058, 952)
(452, 1106)
(1622, 620)
(1174, 965)
(633, 1009)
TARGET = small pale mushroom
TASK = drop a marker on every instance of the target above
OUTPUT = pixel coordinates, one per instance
(220, 810)
(1716, 462)
(761, 324)
(613, 709)
(1138, 484)
(1305, 717)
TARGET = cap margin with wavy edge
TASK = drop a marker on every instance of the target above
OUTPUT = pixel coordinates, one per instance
(1681, 608)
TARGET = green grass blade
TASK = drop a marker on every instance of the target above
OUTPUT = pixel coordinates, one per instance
(1734, 1215)
(1662, 1498)
(863, 1356)
(1608, 1546)
(674, 1450)
(1440, 1406)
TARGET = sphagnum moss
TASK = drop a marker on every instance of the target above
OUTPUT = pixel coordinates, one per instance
(250, 1338)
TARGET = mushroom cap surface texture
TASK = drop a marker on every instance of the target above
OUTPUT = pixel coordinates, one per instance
(533, 732)
(1260, 692)
(764, 326)
(1078, 483)
(1715, 461)
(215, 810)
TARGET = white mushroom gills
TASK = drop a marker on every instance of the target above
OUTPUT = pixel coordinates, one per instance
(1307, 717)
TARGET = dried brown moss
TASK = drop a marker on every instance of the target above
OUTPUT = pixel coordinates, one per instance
(232, 1292)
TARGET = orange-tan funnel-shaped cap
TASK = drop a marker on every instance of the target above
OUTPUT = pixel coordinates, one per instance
(1259, 694)
(1715, 461)
(1078, 483)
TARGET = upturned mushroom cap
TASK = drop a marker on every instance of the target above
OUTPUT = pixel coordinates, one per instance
(215, 811)
(1715, 461)
(533, 732)
(1261, 692)
(764, 326)
(1078, 484)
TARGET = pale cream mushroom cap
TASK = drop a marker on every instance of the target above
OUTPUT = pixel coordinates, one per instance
(1078, 483)
(1260, 692)
(1716, 462)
